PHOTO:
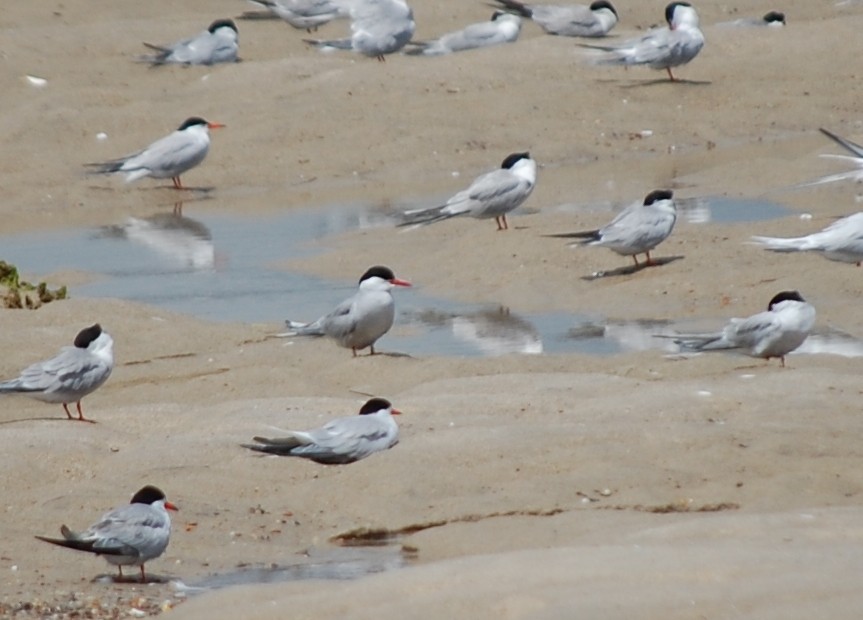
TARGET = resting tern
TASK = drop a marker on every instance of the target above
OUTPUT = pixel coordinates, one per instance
(168, 157)
(491, 195)
(637, 229)
(503, 28)
(340, 441)
(359, 321)
(305, 15)
(661, 48)
(841, 241)
(379, 27)
(775, 333)
(772, 19)
(127, 536)
(573, 20)
(70, 376)
(855, 158)
(216, 44)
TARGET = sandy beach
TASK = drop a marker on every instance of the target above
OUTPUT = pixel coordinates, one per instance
(543, 486)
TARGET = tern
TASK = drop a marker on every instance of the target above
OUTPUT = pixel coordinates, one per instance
(218, 43)
(378, 27)
(572, 20)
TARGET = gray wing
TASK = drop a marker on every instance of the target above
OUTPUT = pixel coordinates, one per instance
(342, 321)
(173, 152)
(345, 440)
(638, 227)
(135, 530)
(487, 194)
(73, 370)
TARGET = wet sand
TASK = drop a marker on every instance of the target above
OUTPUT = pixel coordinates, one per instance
(718, 486)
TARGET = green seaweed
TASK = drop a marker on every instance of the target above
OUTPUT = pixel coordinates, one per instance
(22, 294)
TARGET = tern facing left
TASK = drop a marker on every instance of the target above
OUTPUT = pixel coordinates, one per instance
(502, 28)
(491, 195)
(127, 536)
(218, 43)
(638, 229)
(305, 15)
(166, 158)
(775, 333)
(661, 48)
(842, 241)
(378, 27)
(359, 321)
(340, 441)
(572, 20)
(70, 376)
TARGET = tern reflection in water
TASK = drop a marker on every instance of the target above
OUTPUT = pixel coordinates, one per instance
(493, 331)
(185, 242)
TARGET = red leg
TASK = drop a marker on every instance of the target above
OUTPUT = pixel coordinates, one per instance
(120, 568)
(649, 260)
(66, 409)
(635, 259)
(143, 576)
(372, 350)
(354, 351)
(178, 184)
(505, 223)
(670, 74)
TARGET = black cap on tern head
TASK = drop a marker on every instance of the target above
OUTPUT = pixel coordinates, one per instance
(88, 335)
(774, 17)
(378, 271)
(602, 4)
(374, 405)
(784, 296)
(148, 495)
(222, 23)
(669, 10)
(497, 14)
(658, 194)
(191, 122)
(513, 159)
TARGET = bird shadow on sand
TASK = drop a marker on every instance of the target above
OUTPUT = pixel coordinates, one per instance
(134, 578)
(657, 82)
(630, 269)
(46, 419)
(389, 354)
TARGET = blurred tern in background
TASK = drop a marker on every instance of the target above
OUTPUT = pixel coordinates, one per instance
(359, 321)
(775, 333)
(573, 20)
(166, 158)
(661, 48)
(127, 536)
(70, 376)
(842, 241)
(305, 15)
(378, 27)
(491, 195)
(638, 229)
(502, 28)
(771, 19)
(855, 158)
(216, 44)
(340, 441)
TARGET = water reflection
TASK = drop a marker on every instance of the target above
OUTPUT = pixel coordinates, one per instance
(183, 242)
(338, 563)
(490, 331)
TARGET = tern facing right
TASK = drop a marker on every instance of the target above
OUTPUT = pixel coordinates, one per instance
(775, 333)
(340, 441)
(378, 27)
(491, 195)
(574, 20)
(127, 536)
(70, 376)
(502, 28)
(638, 229)
(166, 158)
(359, 321)
(661, 48)
(218, 43)
(842, 241)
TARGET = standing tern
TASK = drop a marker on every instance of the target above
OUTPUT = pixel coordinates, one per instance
(661, 48)
(841, 241)
(573, 20)
(216, 44)
(305, 15)
(378, 27)
(127, 536)
(340, 441)
(503, 28)
(70, 376)
(491, 195)
(775, 333)
(166, 158)
(637, 229)
(359, 321)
